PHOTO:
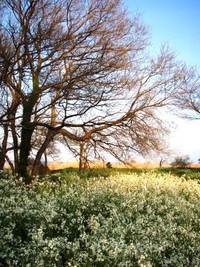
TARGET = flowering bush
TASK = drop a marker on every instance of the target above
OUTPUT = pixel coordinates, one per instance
(131, 220)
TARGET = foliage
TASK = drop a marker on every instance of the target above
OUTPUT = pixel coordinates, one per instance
(181, 162)
(145, 219)
(186, 173)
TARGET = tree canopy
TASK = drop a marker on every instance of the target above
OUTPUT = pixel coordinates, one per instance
(80, 70)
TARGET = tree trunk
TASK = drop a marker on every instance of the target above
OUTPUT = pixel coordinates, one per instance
(16, 146)
(2, 159)
(10, 163)
(82, 156)
(3, 148)
(41, 151)
(12, 119)
(25, 146)
(27, 129)
(45, 160)
(161, 163)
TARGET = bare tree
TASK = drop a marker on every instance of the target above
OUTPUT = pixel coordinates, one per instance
(84, 151)
(188, 95)
(88, 61)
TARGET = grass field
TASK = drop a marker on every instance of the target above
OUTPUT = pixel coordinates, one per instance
(100, 164)
(102, 217)
(186, 173)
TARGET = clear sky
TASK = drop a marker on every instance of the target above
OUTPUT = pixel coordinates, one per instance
(177, 23)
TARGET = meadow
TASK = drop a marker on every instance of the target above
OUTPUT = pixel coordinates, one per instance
(103, 217)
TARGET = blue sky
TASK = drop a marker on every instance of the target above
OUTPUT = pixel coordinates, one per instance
(176, 23)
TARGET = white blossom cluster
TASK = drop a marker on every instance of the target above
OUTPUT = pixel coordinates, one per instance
(139, 220)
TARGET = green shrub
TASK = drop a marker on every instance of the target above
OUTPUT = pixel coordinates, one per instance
(181, 162)
(130, 220)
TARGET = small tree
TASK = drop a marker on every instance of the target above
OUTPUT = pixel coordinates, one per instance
(181, 162)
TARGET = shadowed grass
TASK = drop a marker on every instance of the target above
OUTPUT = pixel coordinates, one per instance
(99, 172)
(187, 173)
(68, 175)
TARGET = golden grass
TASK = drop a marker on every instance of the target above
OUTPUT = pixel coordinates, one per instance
(62, 165)
(194, 166)
(100, 164)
